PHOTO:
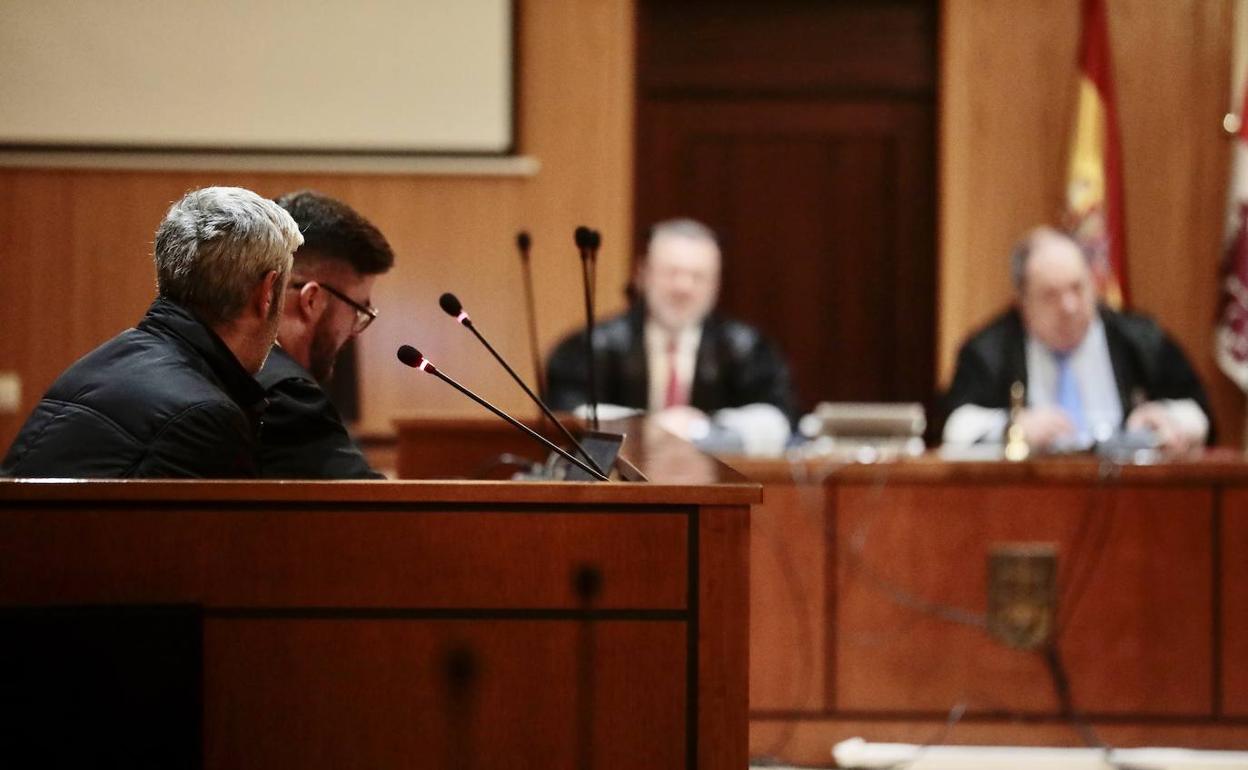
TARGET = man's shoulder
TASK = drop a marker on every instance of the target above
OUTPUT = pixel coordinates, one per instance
(740, 337)
(1139, 328)
(1000, 332)
(136, 374)
(105, 414)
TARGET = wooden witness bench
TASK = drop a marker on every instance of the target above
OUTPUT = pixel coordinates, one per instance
(423, 624)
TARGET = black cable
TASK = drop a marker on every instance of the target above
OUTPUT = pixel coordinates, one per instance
(899, 595)
(1083, 569)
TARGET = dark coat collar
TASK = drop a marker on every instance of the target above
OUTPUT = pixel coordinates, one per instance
(169, 319)
(280, 366)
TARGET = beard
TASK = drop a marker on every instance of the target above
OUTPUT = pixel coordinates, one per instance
(323, 353)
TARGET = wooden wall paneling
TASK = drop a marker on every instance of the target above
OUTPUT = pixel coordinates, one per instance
(345, 557)
(1176, 166)
(1007, 83)
(80, 240)
(1141, 636)
(331, 608)
(1233, 616)
(380, 693)
(1007, 101)
(723, 640)
(787, 46)
(813, 202)
(1138, 640)
(430, 448)
(789, 632)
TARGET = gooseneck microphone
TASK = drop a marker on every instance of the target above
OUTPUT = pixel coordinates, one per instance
(455, 309)
(412, 357)
(523, 243)
(587, 245)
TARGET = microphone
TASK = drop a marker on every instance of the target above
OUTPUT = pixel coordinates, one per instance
(523, 242)
(412, 357)
(595, 241)
(586, 243)
(451, 304)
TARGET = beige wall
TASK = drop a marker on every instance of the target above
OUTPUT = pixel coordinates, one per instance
(75, 245)
(1008, 88)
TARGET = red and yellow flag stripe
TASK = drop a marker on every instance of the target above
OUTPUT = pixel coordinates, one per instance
(1094, 200)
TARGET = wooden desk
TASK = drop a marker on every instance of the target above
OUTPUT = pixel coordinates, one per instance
(856, 570)
(421, 624)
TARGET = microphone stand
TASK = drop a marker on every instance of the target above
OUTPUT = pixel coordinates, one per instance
(523, 241)
(584, 242)
(420, 362)
(450, 303)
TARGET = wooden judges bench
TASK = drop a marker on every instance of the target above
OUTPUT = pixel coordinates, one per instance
(856, 570)
(867, 582)
(385, 625)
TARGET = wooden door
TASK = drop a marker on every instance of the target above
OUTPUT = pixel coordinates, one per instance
(804, 133)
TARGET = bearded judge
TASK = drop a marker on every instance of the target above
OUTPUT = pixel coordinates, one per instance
(713, 380)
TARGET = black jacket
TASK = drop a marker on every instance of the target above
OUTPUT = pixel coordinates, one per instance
(304, 437)
(1147, 364)
(735, 366)
(165, 399)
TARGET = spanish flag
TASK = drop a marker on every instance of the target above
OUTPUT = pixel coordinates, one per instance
(1094, 210)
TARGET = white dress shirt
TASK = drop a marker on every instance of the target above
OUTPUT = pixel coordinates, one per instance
(658, 340)
(1098, 392)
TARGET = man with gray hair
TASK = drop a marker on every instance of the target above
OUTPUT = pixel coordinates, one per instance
(176, 396)
(1086, 372)
(712, 380)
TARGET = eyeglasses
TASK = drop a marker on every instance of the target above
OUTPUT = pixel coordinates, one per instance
(364, 315)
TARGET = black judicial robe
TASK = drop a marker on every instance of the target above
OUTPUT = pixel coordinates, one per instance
(1147, 364)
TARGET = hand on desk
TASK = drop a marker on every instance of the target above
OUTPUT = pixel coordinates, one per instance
(687, 422)
(1043, 425)
(1171, 435)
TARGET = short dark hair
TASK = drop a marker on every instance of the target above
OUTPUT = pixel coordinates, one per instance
(333, 230)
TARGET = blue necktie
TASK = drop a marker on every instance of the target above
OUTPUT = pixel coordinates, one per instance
(1068, 394)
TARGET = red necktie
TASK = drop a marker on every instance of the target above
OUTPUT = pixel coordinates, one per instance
(675, 395)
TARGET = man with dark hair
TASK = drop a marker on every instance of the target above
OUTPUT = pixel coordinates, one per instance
(712, 380)
(341, 257)
(176, 395)
(1086, 371)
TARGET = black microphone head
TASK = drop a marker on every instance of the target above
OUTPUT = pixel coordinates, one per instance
(450, 304)
(583, 237)
(523, 241)
(410, 355)
(595, 240)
